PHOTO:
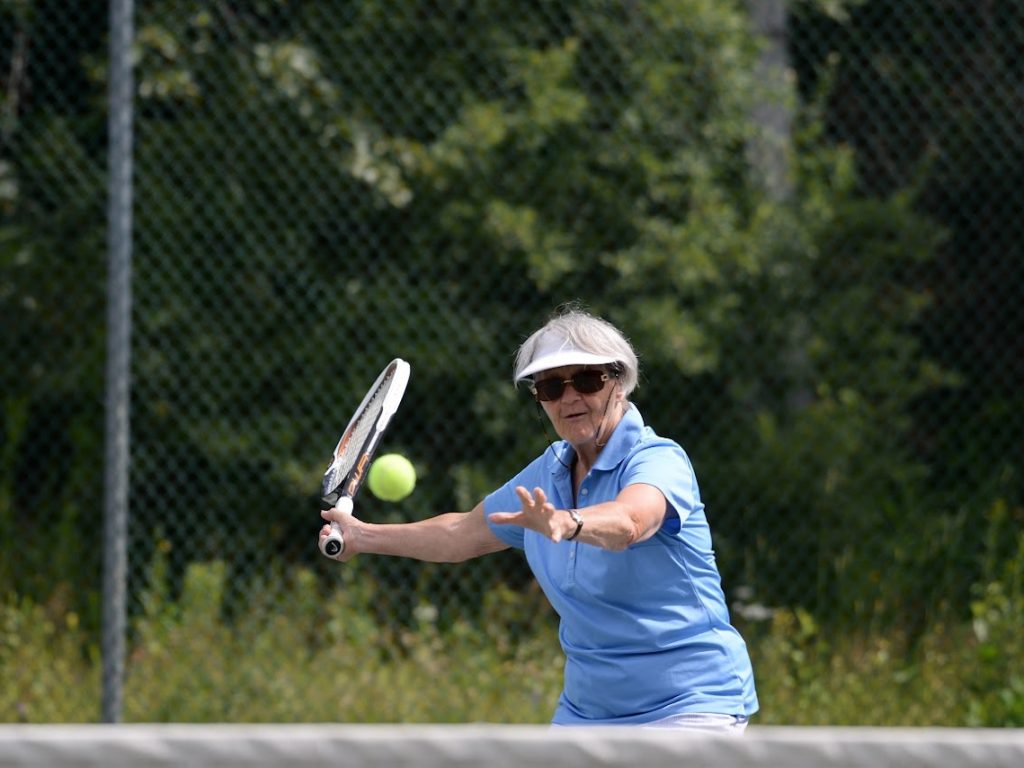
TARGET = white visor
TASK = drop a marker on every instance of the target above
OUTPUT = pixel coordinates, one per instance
(554, 350)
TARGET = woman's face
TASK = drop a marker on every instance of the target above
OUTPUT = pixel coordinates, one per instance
(578, 417)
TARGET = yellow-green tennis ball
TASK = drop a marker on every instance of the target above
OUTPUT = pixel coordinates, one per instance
(392, 477)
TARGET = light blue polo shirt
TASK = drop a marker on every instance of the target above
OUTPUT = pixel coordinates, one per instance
(645, 631)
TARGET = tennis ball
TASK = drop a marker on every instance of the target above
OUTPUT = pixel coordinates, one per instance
(392, 477)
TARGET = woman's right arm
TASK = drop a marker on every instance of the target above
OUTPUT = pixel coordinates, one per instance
(447, 538)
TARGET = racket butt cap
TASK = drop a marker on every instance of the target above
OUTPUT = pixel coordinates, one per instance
(333, 545)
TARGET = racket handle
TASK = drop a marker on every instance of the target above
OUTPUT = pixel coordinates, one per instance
(333, 544)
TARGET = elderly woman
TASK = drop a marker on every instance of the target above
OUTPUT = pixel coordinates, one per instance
(613, 528)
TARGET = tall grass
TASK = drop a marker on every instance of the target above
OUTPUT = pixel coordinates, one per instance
(311, 657)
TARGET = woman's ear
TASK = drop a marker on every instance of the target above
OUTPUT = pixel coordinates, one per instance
(620, 393)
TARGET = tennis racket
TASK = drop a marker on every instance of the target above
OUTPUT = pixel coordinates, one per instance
(359, 441)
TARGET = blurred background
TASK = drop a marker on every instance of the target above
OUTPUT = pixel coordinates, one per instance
(805, 214)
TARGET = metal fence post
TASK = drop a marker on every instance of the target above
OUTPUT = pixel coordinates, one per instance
(118, 360)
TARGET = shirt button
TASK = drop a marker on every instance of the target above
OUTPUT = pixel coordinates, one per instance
(583, 492)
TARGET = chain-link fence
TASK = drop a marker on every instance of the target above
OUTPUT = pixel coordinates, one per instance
(803, 216)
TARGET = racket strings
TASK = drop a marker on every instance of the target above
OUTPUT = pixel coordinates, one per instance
(351, 444)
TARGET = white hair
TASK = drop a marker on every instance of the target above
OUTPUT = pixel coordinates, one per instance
(590, 334)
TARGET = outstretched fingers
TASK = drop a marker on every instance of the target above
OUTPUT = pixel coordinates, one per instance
(537, 514)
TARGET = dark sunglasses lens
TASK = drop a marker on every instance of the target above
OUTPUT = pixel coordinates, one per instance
(549, 389)
(584, 382)
(588, 382)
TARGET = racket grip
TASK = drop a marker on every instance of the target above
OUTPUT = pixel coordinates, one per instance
(333, 544)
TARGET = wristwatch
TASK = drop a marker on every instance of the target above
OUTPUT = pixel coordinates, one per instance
(578, 519)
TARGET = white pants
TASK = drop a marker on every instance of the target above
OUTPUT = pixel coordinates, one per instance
(733, 725)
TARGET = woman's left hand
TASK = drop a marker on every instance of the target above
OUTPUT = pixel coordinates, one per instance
(538, 514)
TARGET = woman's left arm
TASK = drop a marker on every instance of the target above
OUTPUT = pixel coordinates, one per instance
(634, 515)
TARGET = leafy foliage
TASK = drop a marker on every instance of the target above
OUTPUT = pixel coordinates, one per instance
(295, 653)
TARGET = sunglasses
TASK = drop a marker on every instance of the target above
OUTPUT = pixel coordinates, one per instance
(585, 382)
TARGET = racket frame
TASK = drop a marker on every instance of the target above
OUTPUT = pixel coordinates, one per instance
(340, 492)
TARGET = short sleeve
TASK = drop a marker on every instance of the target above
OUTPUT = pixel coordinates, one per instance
(665, 465)
(504, 500)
